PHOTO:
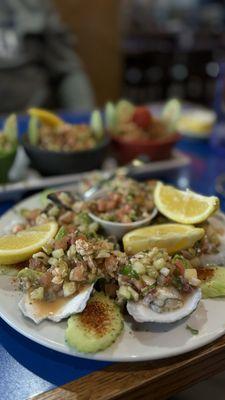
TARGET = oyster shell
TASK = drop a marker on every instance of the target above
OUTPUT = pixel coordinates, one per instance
(168, 306)
(55, 310)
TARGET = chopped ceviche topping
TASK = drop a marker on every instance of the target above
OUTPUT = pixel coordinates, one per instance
(137, 122)
(68, 263)
(152, 274)
(67, 212)
(130, 130)
(67, 137)
(72, 260)
(125, 201)
(79, 256)
(209, 244)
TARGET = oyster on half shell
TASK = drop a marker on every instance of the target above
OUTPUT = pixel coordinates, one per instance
(55, 310)
(167, 306)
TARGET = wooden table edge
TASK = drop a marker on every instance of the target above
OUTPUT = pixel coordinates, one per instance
(144, 380)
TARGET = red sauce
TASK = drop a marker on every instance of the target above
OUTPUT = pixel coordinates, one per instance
(96, 317)
(205, 273)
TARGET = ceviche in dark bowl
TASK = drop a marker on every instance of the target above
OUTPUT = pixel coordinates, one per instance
(57, 147)
(135, 130)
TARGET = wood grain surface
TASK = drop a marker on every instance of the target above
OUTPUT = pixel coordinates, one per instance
(145, 380)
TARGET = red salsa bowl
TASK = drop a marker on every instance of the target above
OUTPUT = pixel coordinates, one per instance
(157, 149)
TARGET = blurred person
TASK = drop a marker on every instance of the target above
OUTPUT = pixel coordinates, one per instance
(38, 66)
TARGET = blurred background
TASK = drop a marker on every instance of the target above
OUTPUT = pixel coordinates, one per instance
(74, 54)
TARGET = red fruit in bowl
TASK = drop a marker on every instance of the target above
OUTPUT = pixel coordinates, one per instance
(142, 117)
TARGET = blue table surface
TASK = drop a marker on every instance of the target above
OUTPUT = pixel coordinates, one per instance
(27, 368)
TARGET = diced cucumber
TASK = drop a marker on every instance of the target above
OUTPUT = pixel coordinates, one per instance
(190, 273)
(139, 267)
(124, 293)
(37, 294)
(69, 288)
(30, 274)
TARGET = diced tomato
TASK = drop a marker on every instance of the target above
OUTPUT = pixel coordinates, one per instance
(186, 287)
(126, 208)
(142, 117)
(101, 205)
(168, 280)
(62, 243)
(45, 279)
(180, 267)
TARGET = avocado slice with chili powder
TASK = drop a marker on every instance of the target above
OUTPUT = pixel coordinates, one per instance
(97, 327)
(212, 281)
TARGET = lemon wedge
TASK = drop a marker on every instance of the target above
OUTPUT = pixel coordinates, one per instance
(45, 116)
(172, 237)
(184, 207)
(197, 123)
(19, 247)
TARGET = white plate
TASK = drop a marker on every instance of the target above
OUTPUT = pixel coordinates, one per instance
(138, 341)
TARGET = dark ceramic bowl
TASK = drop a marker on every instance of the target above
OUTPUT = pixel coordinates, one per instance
(156, 149)
(6, 162)
(61, 162)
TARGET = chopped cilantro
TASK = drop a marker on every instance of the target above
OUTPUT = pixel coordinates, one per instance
(177, 282)
(129, 271)
(192, 330)
(61, 233)
(84, 218)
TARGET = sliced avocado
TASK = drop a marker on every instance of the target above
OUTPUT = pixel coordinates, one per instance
(30, 274)
(97, 327)
(33, 130)
(212, 281)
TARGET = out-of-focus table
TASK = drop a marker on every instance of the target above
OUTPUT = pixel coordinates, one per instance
(28, 369)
